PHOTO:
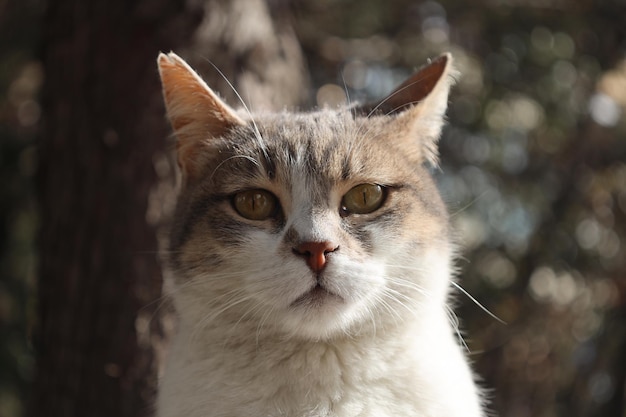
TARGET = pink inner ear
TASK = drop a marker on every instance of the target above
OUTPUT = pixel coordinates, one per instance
(411, 91)
(191, 104)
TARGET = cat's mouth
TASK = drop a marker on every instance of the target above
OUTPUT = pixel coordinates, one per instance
(316, 297)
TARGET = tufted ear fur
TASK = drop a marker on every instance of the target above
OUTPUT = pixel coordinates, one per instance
(196, 113)
(419, 105)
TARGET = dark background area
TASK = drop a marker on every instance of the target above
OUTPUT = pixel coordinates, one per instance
(533, 169)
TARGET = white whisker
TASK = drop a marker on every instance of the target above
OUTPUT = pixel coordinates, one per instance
(454, 322)
(254, 161)
(477, 303)
(392, 312)
(257, 132)
(345, 88)
(234, 300)
(264, 318)
(389, 97)
(468, 205)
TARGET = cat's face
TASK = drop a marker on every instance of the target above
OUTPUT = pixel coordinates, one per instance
(309, 224)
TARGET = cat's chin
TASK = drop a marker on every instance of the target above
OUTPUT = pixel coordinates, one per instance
(317, 297)
(319, 314)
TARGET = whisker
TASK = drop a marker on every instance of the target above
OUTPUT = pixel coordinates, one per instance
(233, 301)
(257, 132)
(400, 90)
(345, 88)
(467, 294)
(393, 313)
(266, 315)
(391, 291)
(408, 284)
(468, 205)
(454, 321)
(254, 161)
(477, 303)
(370, 312)
(388, 98)
(163, 299)
(413, 268)
(252, 310)
(401, 106)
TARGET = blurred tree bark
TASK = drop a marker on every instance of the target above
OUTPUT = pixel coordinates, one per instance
(99, 332)
(252, 43)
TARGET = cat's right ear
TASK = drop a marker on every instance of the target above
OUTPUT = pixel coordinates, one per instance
(196, 113)
(418, 106)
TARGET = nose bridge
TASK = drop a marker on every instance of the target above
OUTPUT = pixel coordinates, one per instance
(312, 230)
(311, 219)
(311, 224)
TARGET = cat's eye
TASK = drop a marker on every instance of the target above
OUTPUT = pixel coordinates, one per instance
(255, 204)
(363, 199)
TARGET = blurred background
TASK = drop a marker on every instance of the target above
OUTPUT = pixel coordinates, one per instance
(533, 169)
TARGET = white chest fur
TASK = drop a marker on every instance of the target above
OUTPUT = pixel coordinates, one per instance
(417, 372)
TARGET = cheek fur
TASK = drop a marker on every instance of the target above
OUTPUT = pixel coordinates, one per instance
(355, 280)
(270, 273)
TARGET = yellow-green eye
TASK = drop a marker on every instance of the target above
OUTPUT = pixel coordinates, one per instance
(363, 199)
(255, 204)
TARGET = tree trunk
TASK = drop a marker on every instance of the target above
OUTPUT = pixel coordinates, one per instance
(99, 337)
(253, 45)
(99, 273)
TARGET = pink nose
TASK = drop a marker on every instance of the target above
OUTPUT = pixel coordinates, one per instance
(314, 253)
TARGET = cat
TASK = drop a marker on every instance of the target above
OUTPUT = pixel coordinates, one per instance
(312, 259)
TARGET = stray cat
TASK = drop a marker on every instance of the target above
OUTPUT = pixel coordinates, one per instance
(312, 259)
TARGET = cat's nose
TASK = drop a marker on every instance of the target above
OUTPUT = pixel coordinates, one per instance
(314, 253)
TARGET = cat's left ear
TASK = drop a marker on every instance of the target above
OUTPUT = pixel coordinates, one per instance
(418, 105)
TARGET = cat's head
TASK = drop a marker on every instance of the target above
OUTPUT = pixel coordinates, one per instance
(308, 224)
